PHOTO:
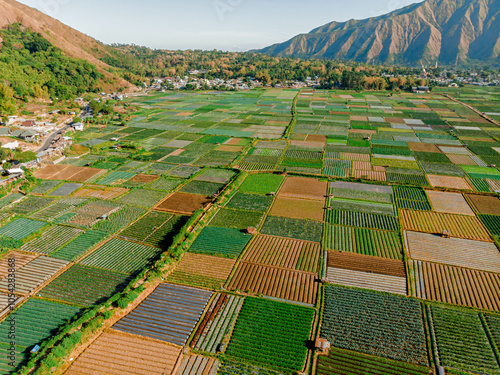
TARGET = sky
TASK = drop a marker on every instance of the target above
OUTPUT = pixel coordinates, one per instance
(228, 25)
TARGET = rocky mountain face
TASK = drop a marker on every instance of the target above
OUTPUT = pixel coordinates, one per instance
(432, 31)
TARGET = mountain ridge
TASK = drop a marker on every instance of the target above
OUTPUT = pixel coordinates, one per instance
(442, 31)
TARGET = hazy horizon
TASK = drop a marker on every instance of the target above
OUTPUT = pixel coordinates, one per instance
(229, 25)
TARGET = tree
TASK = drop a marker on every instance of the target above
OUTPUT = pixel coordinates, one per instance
(76, 119)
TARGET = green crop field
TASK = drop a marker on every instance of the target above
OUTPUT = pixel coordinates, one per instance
(261, 183)
(36, 320)
(21, 228)
(237, 219)
(79, 246)
(262, 324)
(380, 324)
(84, 286)
(225, 242)
(362, 219)
(121, 256)
(461, 340)
(307, 230)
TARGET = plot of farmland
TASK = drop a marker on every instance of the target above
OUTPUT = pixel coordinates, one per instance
(119, 353)
(89, 214)
(217, 323)
(33, 274)
(67, 172)
(276, 282)
(262, 324)
(169, 314)
(380, 324)
(20, 260)
(79, 246)
(449, 182)
(298, 208)
(433, 222)
(384, 275)
(486, 205)
(202, 270)
(237, 219)
(21, 228)
(347, 362)
(84, 286)
(453, 251)
(121, 256)
(52, 239)
(454, 285)
(30, 205)
(284, 252)
(250, 202)
(451, 203)
(362, 219)
(306, 188)
(142, 198)
(224, 242)
(306, 230)
(231, 367)
(373, 242)
(36, 320)
(197, 364)
(183, 203)
(261, 183)
(100, 192)
(461, 341)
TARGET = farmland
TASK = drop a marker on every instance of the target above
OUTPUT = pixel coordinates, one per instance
(115, 351)
(254, 334)
(373, 222)
(383, 325)
(169, 314)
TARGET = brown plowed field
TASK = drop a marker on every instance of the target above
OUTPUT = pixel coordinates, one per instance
(355, 157)
(362, 165)
(366, 263)
(276, 282)
(434, 222)
(455, 285)
(85, 175)
(461, 159)
(453, 251)
(316, 138)
(423, 147)
(146, 178)
(449, 182)
(46, 172)
(301, 187)
(452, 203)
(369, 175)
(487, 205)
(285, 253)
(183, 203)
(206, 265)
(100, 192)
(120, 353)
(298, 208)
